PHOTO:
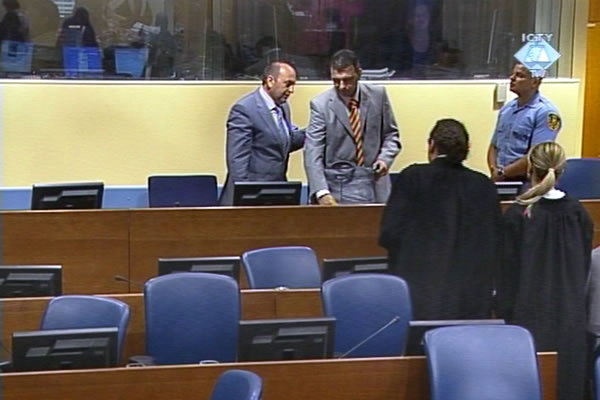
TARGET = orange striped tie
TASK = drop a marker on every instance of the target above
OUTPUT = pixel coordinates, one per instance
(356, 132)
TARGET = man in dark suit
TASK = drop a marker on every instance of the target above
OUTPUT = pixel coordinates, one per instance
(260, 135)
(351, 140)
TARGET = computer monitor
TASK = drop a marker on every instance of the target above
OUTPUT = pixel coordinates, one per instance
(30, 280)
(16, 56)
(417, 329)
(266, 193)
(64, 349)
(229, 266)
(77, 195)
(334, 267)
(82, 61)
(508, 190)
(286, 339)
(130, 61)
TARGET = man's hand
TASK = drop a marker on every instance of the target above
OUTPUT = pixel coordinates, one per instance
(380, 168)
(327, 200)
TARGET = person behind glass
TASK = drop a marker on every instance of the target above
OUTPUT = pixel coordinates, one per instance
(547, 251)
(163, 49)
(522, 123)
(442, 229)
(14, 26)
(351, 140)
(260, 135)
(77, 30)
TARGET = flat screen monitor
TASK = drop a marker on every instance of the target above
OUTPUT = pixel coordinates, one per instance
(266, 193)
(64, 349)
(130, 61)
(286, 339)
(56, 196)
(508, 190)
(417, 329)
(82, 61)
(30, 280)
(16, 56)
(229, 266)
(334, 267)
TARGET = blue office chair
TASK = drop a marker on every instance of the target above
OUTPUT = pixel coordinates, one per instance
(237, 384)
(191, 317)
(597, 378)
(482, 362)
(78, 312)
(182, 190)
(581, 178)
(364, 303)
(292, 267)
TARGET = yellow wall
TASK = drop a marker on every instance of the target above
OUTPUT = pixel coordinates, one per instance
(122, 132)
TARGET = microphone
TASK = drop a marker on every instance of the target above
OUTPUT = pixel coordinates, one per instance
(121, 278)
(372, 335)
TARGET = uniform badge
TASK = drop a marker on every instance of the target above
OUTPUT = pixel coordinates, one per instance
(553, 121)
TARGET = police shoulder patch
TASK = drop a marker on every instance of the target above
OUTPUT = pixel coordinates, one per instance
(553, 121)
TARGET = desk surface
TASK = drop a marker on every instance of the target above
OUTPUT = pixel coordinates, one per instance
(400, 378)
(93, 246)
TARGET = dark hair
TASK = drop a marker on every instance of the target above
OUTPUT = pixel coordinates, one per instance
(272, 69)
(450, 138)
(343, 59)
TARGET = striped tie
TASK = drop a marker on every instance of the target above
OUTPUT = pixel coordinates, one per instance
(356, 132)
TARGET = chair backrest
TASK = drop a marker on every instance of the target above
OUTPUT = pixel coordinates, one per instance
(597, 378)
(482, 362)
(182, 190)
(581, 178)
(75, 312)
(292, 267)
(191, 317)
(364, 303)
(237, 384)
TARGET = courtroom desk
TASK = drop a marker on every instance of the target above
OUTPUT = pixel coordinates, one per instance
(25, 314)
(91, 245)
(399, 378)
(346, 231)
(95, 245)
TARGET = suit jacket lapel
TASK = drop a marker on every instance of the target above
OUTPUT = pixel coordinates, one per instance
(364, 107)
(340, 111)
(267, 118)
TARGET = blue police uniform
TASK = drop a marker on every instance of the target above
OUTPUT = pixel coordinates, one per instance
(520, 128)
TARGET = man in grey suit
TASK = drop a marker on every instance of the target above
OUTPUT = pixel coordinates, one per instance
(351, 140)
(260, 136)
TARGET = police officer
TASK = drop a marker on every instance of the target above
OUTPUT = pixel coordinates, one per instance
(522, 123)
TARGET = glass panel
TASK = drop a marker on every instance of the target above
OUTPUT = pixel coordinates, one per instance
(234, 39)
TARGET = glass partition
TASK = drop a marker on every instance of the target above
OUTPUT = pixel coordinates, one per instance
(234, 39)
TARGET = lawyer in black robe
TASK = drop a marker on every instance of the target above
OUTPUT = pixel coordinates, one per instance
(442, 229)
(546, 262)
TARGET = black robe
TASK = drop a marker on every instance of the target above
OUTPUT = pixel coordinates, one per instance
(545, 268)
(442, 229)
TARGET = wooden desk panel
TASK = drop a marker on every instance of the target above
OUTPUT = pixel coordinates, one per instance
(399, 378)
(92, 246)
(593, 208)
(345, 231)
(25, 314)
(95, 245)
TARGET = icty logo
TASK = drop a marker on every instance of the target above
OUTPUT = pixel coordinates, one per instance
(537, 55)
